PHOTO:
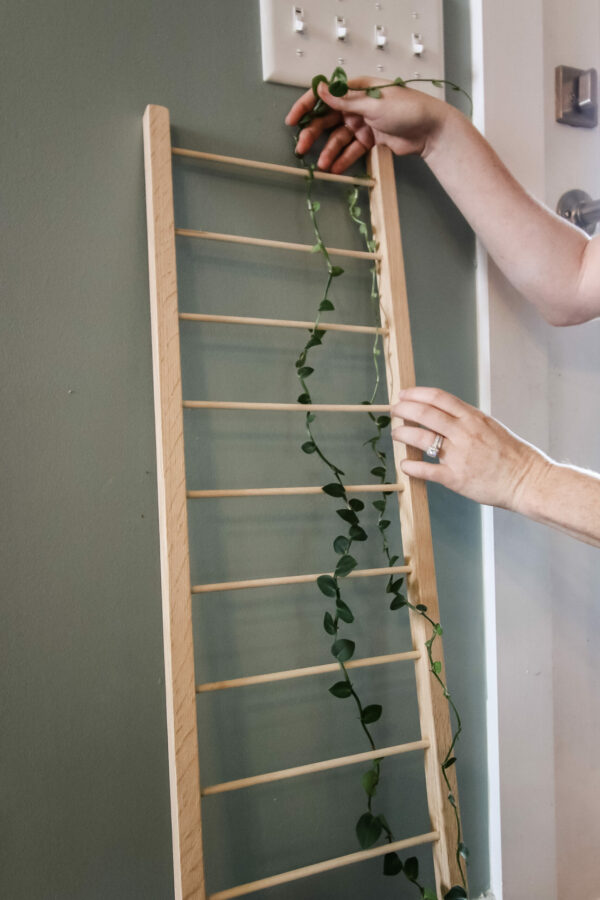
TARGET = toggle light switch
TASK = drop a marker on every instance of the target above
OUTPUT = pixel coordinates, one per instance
(380, 37)
(341, 29)
(417, 45)
(298, 19)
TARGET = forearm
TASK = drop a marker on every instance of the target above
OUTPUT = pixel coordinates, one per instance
(544, 256)
(565, 497)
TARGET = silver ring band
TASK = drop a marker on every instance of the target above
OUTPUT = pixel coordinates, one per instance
(434, 450)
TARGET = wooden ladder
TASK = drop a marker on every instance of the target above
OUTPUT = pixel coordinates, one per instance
(177, 590)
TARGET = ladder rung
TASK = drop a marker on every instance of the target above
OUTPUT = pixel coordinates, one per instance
(325, 866)
(279, 323)
(292, 579)
(289, 407)
(275, 245)
(309, 670)
(288, 491)
(272, 167)
(314, 767)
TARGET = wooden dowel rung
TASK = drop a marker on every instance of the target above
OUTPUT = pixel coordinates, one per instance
(311, 768)
(290, 491)
(289, 407)
(274, 245)
(271, 167)
(325, 866)
(279, 323)
(291, 579)
(323, 669)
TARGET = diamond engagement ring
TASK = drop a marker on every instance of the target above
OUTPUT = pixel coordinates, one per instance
(435, 448)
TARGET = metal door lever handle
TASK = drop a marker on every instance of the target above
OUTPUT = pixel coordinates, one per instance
(579, 208)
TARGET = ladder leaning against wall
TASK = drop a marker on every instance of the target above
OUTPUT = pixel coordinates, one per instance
(186, 787)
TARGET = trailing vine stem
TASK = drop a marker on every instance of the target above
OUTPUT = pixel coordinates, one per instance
(369, 827)
(399, 600)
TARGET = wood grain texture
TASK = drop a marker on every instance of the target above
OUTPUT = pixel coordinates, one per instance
(322, 669)
(414, 515)
(327, 865)
(174, 551)
(271, 167)
(267, 242)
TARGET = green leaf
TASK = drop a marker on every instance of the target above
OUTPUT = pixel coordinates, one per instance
(356, 505)
(305, 371)
(339, 74)
(345, 565)
(383, 524)
(305, 120)
(357, 211)
(368, 829)
(313, 205)
(348, 515)
(381, 817)
(456, 893)
(336, 271)
(449, 762)
(379, 505)
(394, 586)
(309, 447)
(370, 781)
(338, 88)
(341, 689)
(316, 248)
(341, 543)
(411, 868)
(334, 489)
(362, 229)
(304, 398)
(374, 92)
(437, 667)
(383, 421)
(310, 417)
(327, 585)
(400, 82)
(463, 850)
(326, 305)
(392, 864)
(328, 623)
(344, 611)
(437, 83)
(393, 560)
(378, 472)
(398, 602)
(371, 714)
(315, 83)
(428, 894)
(421, 607)
(358, 534)
(343, 649)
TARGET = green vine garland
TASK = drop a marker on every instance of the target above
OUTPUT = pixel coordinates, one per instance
(370, 827)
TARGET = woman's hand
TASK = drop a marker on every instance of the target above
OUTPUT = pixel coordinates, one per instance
(479, 457)
(403, 119)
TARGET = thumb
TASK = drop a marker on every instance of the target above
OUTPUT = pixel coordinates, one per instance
(355, 100)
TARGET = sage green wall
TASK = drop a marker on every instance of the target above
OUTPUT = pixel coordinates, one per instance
(84, 763)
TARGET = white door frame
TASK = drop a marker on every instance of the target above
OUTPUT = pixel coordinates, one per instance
(507, 43)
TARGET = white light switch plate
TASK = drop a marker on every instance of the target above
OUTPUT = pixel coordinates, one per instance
(293, 57)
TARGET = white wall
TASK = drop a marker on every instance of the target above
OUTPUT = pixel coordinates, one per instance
(543, 611)
(572, 37)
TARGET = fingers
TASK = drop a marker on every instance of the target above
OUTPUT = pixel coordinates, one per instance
(414, 468)
(347, 158)
(435, 397)
(423, 414)
(420, 438)
(302, 105)
(309, 135)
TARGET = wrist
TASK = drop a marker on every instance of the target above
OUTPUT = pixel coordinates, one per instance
(534, 487)
(442, 116)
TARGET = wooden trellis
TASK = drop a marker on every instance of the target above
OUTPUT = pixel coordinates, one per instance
(173, 495)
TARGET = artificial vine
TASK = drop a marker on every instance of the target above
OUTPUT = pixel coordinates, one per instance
(370, 827)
